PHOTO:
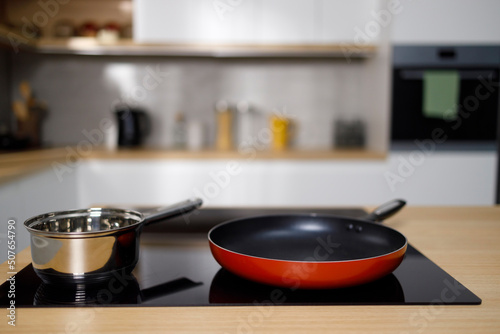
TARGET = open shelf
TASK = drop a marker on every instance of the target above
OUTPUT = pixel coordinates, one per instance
(127, 47)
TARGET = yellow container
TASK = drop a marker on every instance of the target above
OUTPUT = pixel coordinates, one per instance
(282, 130)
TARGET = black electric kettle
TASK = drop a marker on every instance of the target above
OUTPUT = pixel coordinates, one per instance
(133, 126)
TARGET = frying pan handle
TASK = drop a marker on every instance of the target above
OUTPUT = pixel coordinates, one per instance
(386, 210)
(171, 211)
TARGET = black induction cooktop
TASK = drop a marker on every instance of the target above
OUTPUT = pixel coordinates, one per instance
(176, 268)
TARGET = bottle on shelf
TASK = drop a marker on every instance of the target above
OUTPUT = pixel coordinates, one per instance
(180, 132)
(195, 135)
(224, 135)
(246, 133)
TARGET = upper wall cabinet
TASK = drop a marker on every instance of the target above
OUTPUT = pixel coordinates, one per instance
(282, 21)
(316, 22)
(358, 22)
(447, 22)
(255, 21)
(193, 21)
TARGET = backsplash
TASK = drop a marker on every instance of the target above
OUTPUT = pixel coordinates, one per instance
(82, 90)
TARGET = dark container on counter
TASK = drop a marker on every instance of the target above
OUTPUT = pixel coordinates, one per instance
(133, 126)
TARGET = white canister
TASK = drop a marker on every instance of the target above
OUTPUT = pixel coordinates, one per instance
(195, 136)
(111, 136)
(245, 127)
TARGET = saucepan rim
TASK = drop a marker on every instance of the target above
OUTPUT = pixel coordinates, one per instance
(32, 222)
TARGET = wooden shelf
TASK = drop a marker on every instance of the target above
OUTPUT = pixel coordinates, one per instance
(127, 47)
(91, 46)
(14, 40)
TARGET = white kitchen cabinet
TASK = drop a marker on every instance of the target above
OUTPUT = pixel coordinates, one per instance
(350, 21)
(164, 20)
(217, 22)
(287, 21)
(32, 195)
(223, 21)
(240, 21)
(447, 22)
(252, 21)
(440, 178)
(194, 21)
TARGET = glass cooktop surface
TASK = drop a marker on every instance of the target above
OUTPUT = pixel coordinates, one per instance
(176, 268)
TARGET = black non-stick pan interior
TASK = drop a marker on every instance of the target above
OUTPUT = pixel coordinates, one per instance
(299, 237)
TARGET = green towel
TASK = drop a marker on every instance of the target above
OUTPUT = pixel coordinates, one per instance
(440, 95)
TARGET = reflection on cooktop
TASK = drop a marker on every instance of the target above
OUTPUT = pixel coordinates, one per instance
(123, 291)
(227, 288)
(178, 271)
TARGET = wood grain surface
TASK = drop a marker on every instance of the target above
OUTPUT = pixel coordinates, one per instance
(463, 241)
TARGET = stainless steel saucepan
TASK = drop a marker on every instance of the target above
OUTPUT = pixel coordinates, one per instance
(92, 245)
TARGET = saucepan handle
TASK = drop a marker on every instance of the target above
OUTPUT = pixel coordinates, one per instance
(386, 210)
(171, 211)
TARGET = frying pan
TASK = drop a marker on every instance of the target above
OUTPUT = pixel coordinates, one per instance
(92, 245)
(310, 251)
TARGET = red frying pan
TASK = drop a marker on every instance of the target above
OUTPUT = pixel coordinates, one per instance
(310, 251)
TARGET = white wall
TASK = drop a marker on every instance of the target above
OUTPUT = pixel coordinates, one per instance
(447, 22)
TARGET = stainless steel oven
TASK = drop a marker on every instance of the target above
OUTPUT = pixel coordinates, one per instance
(448, 90)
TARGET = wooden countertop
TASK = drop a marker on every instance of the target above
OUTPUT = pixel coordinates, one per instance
(14, 165)
(463, 241)
(145, 153)
(18, 164)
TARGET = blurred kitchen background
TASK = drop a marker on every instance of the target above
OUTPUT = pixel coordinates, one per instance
(318, 102)
(316, 89)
